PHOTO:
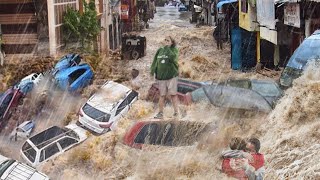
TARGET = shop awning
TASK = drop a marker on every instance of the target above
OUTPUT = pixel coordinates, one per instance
(225, 2)
(286, 1)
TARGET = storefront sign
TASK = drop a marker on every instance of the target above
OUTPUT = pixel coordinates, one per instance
(124, 11)
(292, 14)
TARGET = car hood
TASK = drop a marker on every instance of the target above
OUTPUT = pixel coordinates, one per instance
(82, 133)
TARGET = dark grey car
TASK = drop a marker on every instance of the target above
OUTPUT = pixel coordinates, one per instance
(240, 94)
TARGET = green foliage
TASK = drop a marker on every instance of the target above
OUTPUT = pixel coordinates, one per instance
(84, 27)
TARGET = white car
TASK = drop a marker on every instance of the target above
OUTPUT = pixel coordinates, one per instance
(23, 130)
(51, 143)
(15, 170)
(34, 77)
(27, 83)
(102, 111)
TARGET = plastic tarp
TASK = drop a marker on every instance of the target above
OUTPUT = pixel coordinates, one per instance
(232, 97)
(225, 2)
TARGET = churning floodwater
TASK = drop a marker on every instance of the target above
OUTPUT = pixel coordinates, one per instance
(289, 134)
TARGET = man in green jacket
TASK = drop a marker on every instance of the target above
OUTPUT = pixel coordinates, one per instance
(165, 69)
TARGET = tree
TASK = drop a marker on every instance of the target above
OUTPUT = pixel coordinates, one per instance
(82, 26)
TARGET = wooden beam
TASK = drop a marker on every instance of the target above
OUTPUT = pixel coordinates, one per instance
(17, 18)
(20, 38)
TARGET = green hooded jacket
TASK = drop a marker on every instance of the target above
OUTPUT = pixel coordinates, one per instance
(165, 63)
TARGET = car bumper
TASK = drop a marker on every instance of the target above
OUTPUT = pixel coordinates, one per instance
(91, 127)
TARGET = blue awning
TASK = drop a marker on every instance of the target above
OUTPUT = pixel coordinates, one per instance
(225, 2)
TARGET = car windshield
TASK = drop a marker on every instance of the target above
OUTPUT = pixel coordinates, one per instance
(29, 152)
(95, 113)
(309, 49)
(265, 89)
(4, 166)
(288, 75)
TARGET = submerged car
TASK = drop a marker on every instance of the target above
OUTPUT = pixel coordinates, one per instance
(240, 94)
(184, 86)
(23, 130)
(14, 170)
(103, 109)
(167, 133)
(307, 51)
(51, 143)
(182, 7)
(27, 83)
(67, 61)
(74, 78)
(8, 101)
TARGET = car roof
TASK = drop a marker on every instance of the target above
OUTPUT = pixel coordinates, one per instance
(315, 35)
(26, 125)
(47, 136)
(109, 94)
(63, 74)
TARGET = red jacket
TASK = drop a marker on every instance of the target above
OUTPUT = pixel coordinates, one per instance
(226, 168)
(258, 160)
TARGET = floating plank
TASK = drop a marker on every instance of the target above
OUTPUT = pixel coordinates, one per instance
(17, 18)
(20, 38)
(15, 1)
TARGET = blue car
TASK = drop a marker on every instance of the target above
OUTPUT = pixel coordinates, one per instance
(74, 78)
(67, 61)
(182, 7)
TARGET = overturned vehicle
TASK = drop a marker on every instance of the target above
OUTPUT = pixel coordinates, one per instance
(259, 95)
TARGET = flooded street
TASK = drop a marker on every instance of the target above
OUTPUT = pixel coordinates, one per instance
(289, 134)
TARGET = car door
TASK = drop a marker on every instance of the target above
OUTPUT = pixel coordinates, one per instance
(49, 152)
(132, 97)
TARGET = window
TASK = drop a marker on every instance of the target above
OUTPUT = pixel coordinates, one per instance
(121, 106)
(7, 100)
(41, 156)
(148, 134)
(5, 165)
(66, 142)
(246, 84)
(29, 152)
(131, 96)
(75, 75)
(167, 135)
(244, 6)
(184, 89)
(51, 150)
(266, 89)
(95, 113)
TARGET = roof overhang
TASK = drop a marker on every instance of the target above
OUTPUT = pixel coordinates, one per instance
(219, 5)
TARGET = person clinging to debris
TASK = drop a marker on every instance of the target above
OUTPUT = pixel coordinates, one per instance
(243, 160)
(165, 69)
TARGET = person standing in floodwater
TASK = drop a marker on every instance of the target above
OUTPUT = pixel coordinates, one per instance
(165, 68)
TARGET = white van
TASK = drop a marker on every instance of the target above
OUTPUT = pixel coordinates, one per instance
(14, 170)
